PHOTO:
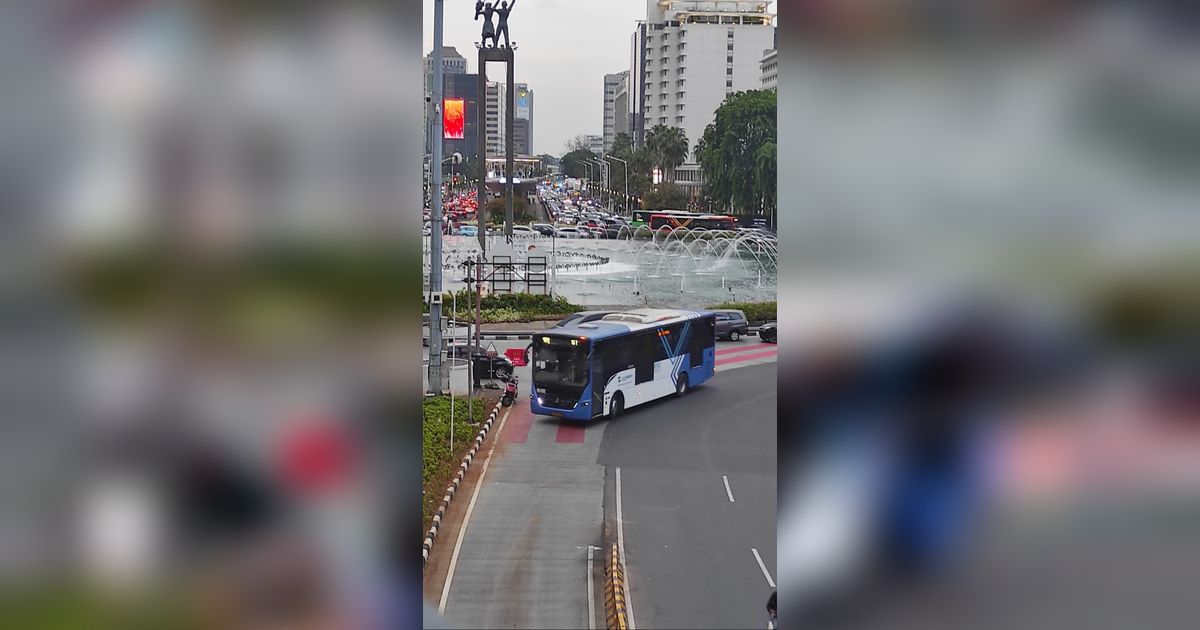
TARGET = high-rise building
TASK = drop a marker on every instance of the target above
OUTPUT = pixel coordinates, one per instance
(452, 63)
(696, 54)
(769, 69)
(621, 109)
(595, 144)
(637, 84)
(523, 110)
(520, 137)
(611, 83)
(493, 120)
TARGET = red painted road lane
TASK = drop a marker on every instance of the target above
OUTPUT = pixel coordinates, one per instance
(520, 419)
(747, 357)
(739, 349)
(570, 433)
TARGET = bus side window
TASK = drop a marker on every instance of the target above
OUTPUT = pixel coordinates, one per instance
(701, 337)
(646, 348)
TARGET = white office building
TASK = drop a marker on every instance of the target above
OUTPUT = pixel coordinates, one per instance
(612, 84)
(769, 65)
(493, 121)
(595, 144)
(695, 54)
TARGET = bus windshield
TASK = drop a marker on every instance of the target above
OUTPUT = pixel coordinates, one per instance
(561, 363)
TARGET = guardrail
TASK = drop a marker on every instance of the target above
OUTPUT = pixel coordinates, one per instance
(614, 593)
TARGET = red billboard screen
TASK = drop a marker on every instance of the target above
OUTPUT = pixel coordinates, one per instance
(453, 118)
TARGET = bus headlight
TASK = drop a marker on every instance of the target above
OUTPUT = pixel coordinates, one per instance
(540, 401)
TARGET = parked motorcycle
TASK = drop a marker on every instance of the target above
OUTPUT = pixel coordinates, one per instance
(510, 392)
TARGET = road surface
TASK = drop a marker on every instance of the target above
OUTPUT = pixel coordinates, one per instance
(519, 558)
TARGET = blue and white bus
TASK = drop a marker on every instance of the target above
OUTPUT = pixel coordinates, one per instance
(603, 367)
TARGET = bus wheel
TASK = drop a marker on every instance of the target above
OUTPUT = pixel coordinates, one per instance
(616, 407)
(681, 386)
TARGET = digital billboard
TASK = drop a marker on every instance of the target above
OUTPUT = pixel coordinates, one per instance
(453, 118)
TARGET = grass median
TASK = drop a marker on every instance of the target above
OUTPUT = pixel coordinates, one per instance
(439, 461)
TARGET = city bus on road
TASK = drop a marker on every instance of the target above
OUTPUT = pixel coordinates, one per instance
(603, 367)
(658, 219)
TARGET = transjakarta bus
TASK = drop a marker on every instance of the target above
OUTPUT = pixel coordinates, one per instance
(608, 365)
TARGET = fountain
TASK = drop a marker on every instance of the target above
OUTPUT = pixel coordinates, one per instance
(665, 267)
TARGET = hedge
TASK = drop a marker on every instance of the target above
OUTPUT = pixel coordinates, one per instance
(438, 462)
(756, 312)
(508, 307)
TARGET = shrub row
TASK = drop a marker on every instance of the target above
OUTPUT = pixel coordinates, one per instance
(756, 312)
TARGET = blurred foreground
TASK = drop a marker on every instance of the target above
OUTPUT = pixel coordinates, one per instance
(991, 347)
(211, 400)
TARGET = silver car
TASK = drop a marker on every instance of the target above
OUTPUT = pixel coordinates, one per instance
(731, 324)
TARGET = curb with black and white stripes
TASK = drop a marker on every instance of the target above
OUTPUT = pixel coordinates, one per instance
(431, 535)
(505, 336)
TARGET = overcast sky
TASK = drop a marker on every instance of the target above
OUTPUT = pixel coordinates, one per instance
(564, 49)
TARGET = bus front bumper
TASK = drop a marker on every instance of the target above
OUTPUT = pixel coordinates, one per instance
(581, 411)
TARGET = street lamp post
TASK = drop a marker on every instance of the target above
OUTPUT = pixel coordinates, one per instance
(626, 165)
(599, 171)
(435, 214)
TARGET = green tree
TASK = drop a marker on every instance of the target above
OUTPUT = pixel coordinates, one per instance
(738, 165)
(668, 147)
(577, 143)
(765, 179)
(622, 146)
(622, 149)
(572, 163)
(665, 196)
(495, 210)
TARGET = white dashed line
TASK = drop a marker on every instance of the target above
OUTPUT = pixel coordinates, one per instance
(591, 592)
(763, 567)
(728, 492)
(621, 552)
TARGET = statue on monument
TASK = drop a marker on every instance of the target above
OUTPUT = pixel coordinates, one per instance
(486, 10)
(502, 27)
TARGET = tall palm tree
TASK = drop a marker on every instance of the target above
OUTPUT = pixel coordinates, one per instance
(669, 146)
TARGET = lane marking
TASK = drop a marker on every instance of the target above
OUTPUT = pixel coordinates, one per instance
(570, 433)
(763, 567)
(738, 349)
(746, 357)
(591, 592)
(462, 530)
(728, 492)
(522, 422)
(621, 552)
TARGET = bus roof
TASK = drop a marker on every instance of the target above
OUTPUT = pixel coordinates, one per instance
(633, 320)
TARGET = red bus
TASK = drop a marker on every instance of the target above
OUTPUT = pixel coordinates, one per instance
(691, 220)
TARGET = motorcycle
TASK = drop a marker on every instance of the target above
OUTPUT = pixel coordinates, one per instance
(510, 392)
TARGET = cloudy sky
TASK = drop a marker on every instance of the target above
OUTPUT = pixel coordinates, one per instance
(564, 49)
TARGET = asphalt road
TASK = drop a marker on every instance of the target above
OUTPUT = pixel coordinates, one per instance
(689, 548)
(548, 494)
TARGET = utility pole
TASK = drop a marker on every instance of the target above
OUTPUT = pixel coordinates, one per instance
(435, 215)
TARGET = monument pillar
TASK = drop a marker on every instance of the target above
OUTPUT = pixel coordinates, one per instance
(505, 56)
